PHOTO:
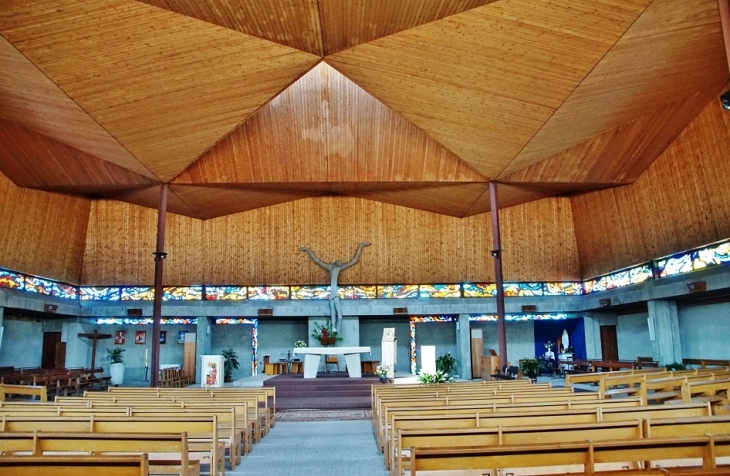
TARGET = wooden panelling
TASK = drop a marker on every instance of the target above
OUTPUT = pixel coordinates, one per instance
(672, 51)
(348, 23)
(43, 233)
(452, 200)
(483, 82)
(261, 246)
(292, 23)
(29, 98)
(679, 202)
(33, 160)
(507, 196)
(168, 87)
(150, 197)
(327, 129)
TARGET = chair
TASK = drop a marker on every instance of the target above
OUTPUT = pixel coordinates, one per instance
(331, 360)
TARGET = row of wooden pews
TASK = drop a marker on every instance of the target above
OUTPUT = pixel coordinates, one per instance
(58, 382)
(487, 426)
(204, 423)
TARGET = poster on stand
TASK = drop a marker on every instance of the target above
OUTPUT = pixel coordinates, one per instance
(212, 373)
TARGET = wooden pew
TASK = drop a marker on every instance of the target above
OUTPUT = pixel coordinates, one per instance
(706, 390)
(165, 451)
(586, 454)
(704, 363)
(34, 391)
(202, 431)
(75, 465)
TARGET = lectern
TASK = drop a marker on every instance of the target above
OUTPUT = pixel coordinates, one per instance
(388, 354)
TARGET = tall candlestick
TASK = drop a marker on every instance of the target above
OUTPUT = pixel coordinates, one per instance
(145, 357)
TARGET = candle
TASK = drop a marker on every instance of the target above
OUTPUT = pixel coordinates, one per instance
(145, 357)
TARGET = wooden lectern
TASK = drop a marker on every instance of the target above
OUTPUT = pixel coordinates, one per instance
(490, 365)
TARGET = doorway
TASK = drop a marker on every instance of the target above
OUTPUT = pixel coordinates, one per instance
(609, 344)
(54, 351)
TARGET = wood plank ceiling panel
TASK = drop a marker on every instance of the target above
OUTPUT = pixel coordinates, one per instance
(212, 202)
(484, 82)
(29, 98)
(149, 197)
(453, 200)
(672, 51)
(348, 23)
(166, 86)
(293, 23)
(33, 160)
(324, 128)
(507, 196)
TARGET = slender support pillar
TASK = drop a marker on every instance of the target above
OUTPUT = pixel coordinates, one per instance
(667, 345)
(497, 254)
(160, 256)
(463, 341)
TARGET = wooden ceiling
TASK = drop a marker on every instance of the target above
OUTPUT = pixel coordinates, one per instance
(243, 104)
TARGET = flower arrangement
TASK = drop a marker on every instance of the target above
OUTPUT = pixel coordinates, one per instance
(382, 370)
(326, 331)
(438, 377)
(299, 344)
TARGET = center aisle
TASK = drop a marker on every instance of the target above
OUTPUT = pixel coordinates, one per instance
(315, 448)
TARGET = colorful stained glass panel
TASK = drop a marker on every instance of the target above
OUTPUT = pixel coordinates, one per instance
(268, 293)
(182, 293)
(65, 291)
(482, 290)
(38, 285)
(138, 293)
(398, 291)
(89, 293)
(11, 280)
(563, 289)
(358, 292)
(310, 292)
(439, 291)
(226, 293)
(677, 264)
(530, 289)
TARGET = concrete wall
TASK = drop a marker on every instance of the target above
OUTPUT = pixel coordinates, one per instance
(22, 343)
(439, 334)
(238, 338)
(277, 336)
(371, 334)
(704, 331)
(520, 339)
(632, 335)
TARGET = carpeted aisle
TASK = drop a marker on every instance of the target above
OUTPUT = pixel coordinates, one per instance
(329, 391)
(316, 448)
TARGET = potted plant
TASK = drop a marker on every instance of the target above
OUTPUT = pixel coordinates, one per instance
(382, 371)
(326, 334)
(530, 367)
(446, 363)
(438, 377)
(116, 368)
(229, 364)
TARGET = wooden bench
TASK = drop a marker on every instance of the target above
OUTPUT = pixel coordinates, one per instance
(704, 363)
(75, 465)
(202, 431)
(33, 391)
(585, 454)
(706, 390)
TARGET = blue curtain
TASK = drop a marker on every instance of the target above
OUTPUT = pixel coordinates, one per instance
(549, 331)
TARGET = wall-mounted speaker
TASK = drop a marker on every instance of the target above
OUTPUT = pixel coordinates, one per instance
(400, 311)
(604, 302)
(697, 286)
(266, 312)
(50, 308)
(134, 312)
(529, 308)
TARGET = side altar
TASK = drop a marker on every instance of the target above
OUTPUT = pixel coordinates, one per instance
(313, 356)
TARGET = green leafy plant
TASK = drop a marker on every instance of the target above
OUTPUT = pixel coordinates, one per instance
(530, 367)
(300, 344)
(230, 363)
(382, 370)
(446, 363)
(115, 355)
(438, 377)
(675, 366)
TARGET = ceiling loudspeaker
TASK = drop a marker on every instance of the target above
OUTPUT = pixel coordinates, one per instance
(697, 286)
(725, 99)
(50, 308)
(266, 312)
(400, 310)
(529, 308)
(604, 302)
(134, 312)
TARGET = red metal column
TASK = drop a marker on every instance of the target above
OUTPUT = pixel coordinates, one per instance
(497, 254)
(160, 256)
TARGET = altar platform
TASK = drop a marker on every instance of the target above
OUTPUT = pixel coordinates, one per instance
(329, 391)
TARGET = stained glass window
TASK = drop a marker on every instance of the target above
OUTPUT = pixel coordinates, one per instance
(530, 289)
(234, 321)
(182, 293)
(141, 321)
(398, 291)
(226, 293)
(712, 255)
(11, 280)
(482, 290)
(89, 293)
(517, 317)
(357, 292)
(439, 291)
(268, 293)
(511, 289)
(310, 292)
(639, 274)
(563, 289)
(65, 291)
(38, 285)
(138, 293)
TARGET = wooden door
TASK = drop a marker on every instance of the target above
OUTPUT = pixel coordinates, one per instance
(48, 358)
(60, 360)
(609, 344)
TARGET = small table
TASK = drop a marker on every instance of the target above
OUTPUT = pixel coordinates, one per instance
(313, 355)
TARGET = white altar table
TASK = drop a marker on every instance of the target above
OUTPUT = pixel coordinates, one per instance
(313, 355)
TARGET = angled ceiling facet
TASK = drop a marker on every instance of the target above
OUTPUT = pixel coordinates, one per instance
(483, 82)
(507, 196)
(150, 197)
(166, 86)
(453, 200)
(324, 128)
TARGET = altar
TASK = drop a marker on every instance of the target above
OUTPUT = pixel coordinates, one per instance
(313, 356)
